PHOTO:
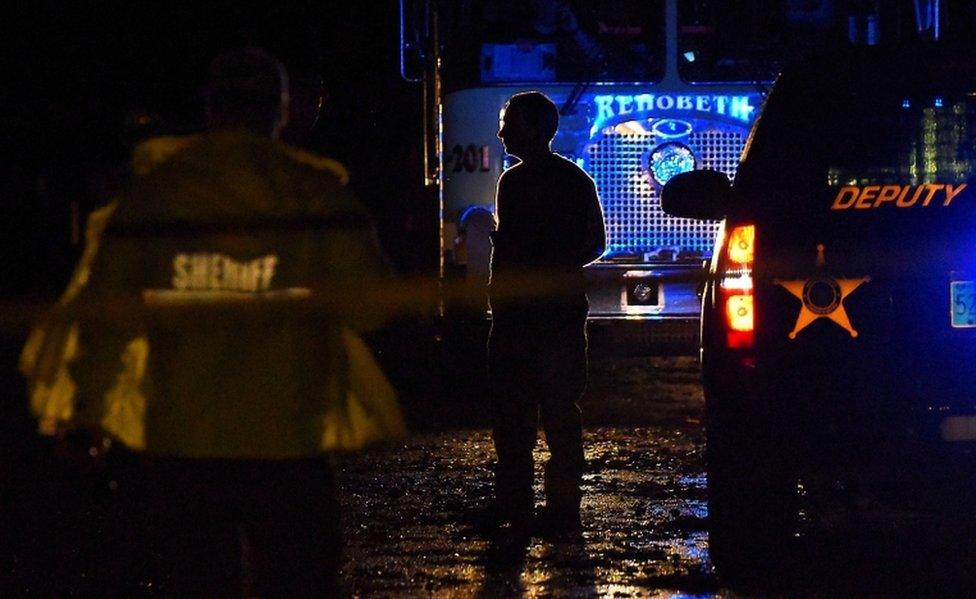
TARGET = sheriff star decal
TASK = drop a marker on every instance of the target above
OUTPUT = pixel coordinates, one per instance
(822, 297)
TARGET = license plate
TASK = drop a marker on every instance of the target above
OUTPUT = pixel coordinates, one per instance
(962, 300)
(642, 292)
(958, 428)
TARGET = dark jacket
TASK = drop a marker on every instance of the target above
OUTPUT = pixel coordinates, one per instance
(220, 282)
(550, 224)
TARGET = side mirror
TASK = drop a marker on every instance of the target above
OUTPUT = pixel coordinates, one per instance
(702, 195)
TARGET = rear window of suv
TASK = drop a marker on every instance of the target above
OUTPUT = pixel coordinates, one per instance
(908, 139)
(905, 119)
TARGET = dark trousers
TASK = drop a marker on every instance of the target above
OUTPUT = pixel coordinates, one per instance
(537, 370)
(226, 528)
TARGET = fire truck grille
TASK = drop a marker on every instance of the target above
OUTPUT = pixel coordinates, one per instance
(636, 225)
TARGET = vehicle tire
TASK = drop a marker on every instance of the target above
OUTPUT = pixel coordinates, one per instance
(752, 495)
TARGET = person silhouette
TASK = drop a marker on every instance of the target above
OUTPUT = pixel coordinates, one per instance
(208, 347)
(550, 225)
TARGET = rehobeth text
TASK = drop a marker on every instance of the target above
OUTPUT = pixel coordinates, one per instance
(736, 107)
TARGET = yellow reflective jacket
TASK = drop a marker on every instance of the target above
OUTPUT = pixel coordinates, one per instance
(208, 316)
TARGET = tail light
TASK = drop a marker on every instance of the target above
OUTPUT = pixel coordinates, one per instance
(735, 286)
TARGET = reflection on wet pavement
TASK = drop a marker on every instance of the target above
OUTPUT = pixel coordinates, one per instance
(643, 510)
(644, 514)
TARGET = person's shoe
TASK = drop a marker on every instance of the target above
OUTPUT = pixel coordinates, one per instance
(563, 525)
(493, 517)
(508, 545)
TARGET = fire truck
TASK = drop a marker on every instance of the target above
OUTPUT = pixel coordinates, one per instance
(646, 90)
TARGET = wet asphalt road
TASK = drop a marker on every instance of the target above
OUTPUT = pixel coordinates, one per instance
(643, 510)
(644, 513)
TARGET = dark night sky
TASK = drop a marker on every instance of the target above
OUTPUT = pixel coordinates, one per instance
(80, 67)
(99, 59)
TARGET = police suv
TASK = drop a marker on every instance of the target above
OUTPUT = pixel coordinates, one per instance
(838, 329)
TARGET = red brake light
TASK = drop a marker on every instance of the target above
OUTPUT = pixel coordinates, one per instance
(738, 311)
(735, 285)
(741, 245)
